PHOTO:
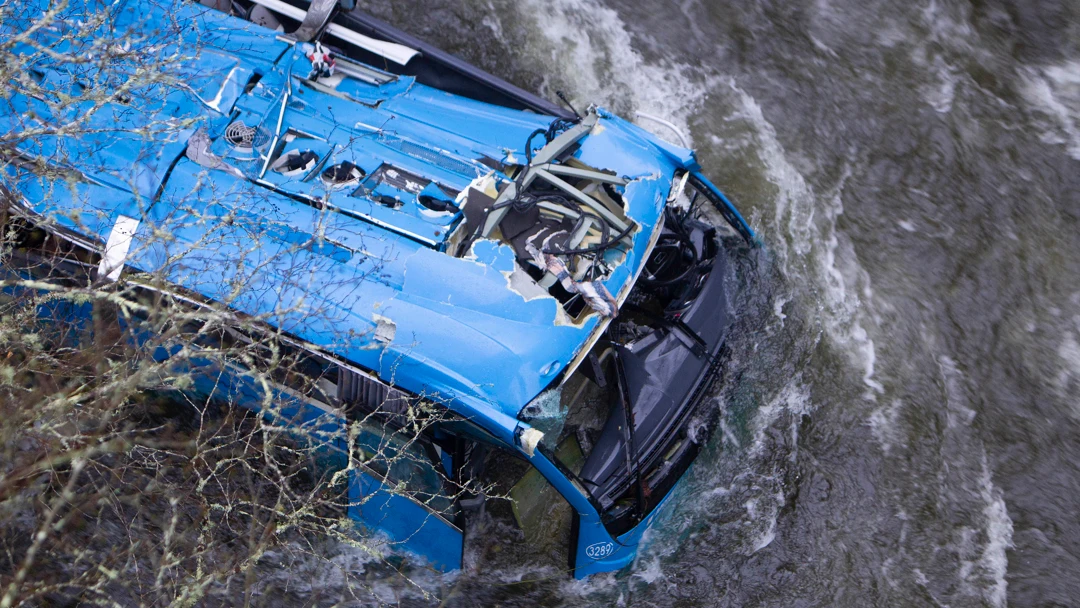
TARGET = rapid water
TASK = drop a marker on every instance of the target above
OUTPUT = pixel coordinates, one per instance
(901, 419)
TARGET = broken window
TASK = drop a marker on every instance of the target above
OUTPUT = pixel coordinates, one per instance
(412, 463)
(498, 484)
(621, 423)
(565, 220)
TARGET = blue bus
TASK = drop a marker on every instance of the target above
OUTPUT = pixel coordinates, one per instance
(544, 287)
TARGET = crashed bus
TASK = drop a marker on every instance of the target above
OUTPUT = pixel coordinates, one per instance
(553, 281)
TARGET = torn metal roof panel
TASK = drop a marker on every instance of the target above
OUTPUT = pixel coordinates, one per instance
(373, 249)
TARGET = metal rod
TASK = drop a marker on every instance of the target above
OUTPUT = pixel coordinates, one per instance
(584, 198)
(682, 138)
(398, 53)
(631, 449)
(589, 174)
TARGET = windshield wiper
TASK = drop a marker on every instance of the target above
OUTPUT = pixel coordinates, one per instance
(628, 436)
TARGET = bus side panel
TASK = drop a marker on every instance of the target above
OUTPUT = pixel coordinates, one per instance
(409, 525)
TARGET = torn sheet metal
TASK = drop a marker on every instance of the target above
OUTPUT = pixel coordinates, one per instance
(198, 150)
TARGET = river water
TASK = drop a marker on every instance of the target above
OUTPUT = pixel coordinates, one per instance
(901, 418)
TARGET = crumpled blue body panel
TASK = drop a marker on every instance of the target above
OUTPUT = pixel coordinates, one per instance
(373, 283)
(354, 269)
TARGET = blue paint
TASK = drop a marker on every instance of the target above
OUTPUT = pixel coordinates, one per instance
(325, 263)
(727, 203)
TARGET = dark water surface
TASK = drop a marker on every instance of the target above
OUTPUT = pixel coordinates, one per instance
(902, 417)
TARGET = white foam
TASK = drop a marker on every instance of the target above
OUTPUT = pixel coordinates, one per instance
(982, 569)
(999, 529)
(939, 90)
(1054, 91)
(339, 568)
(1069, 377)
(794, 399)
(984, 574)
(804, 227)
(778, 309)
(957, 413)
(594, 53)
(728, 435)
(950, 35)
(650, 572)
(718, 491)
(884, 422)
(767, 536)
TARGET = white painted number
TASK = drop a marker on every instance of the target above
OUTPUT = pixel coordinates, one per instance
(599, 550)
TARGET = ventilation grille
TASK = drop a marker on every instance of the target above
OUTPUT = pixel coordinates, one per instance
(241, 136)
(357, 391)
(432, 156)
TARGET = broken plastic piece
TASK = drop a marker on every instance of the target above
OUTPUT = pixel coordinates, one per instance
(385, 329)
(528, 439)
(198, 150)
(116, 249)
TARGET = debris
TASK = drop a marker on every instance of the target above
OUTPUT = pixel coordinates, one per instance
(529, 439)
(596, 294)
(385, 329)
(322, 62)
(198, 150)
(116, 249)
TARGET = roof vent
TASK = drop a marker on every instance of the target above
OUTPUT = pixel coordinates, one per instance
(436, 204)
(243, 137)
(295, 162)
(342, 174)
(385, 200)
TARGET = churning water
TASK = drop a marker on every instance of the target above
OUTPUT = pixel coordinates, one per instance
(901, 419)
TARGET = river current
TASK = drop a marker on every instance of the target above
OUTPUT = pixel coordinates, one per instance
(901, 415)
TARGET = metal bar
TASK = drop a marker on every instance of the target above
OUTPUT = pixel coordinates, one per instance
(542, 167)
(555, 147)
(579, 236)
(632, 464)
(570, 213)
(277, 133)
(315, 18)
(496, 216)
(362, 72)
(565, 139)
(668, 124)
(583, 198)
(398, 53)
(595, 176)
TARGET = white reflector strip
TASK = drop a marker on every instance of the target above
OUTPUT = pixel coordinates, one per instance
(116, 249)
(398, 53)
